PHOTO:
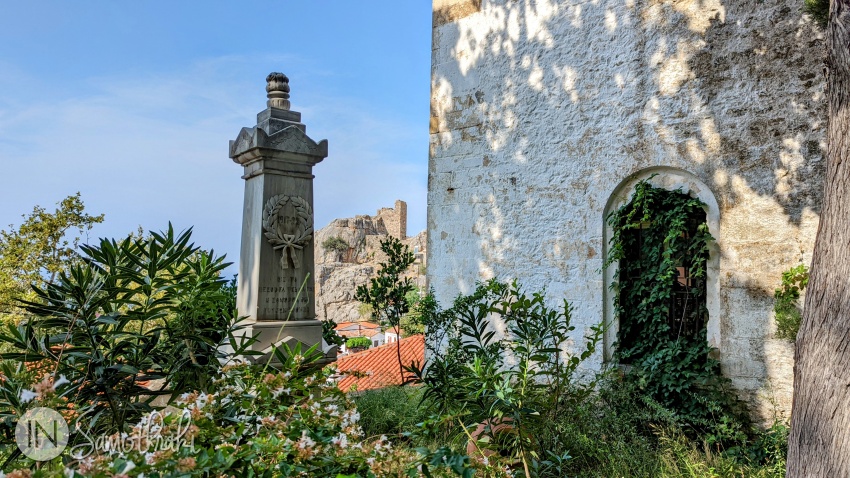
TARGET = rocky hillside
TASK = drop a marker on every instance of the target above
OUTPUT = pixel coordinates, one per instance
(348, 253)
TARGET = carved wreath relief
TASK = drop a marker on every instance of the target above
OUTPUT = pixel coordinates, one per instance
(288, 225)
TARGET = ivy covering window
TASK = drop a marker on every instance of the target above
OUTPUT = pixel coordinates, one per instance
(660, 242)
(657, 277)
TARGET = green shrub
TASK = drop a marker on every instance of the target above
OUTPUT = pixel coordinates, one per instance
(364, 311)
(787, 306)
(336, 244)
(290, 422)
(526, 378)
(414, 321)
(358, 342)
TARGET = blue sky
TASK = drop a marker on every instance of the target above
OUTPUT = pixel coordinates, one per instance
(133, 104)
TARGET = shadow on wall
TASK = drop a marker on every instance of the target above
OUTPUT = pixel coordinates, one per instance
(711, 88)
(540, 108)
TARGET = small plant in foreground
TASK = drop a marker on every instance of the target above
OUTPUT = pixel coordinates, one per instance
(287, 422)
(329, 333)
(505, 393)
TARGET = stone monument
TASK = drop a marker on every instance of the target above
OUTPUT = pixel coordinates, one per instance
(276, 267)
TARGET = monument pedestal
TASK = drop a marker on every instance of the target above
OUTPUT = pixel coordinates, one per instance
(276, 263)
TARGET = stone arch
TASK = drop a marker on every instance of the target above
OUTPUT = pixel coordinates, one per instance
(669, 178)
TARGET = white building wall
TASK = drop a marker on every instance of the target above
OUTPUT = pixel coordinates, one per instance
(540, 109)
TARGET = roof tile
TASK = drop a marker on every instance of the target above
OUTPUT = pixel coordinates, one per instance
(380, 364)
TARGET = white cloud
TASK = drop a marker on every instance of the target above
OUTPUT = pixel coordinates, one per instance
(146, 149)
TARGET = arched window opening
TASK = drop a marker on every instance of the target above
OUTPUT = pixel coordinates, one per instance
(660, 242)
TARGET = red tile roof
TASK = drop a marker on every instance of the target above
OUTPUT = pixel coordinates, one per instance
(357, 329)
(380, 364)
(366, 325)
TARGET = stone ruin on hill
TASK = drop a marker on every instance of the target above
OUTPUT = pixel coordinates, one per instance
(354, 256)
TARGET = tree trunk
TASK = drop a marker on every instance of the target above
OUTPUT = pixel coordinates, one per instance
(819, 444)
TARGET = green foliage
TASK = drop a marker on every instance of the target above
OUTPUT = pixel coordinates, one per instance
(787, 306)
(673, 366)
(525, 379)
(365, 311)
(292, 422)
(390, 411)
(329, 333)
(415, 320)
(129, 312)
(336, 244)
(358, 342)
(387, 293)
(818, 9)
(620, 431)
(39, 249)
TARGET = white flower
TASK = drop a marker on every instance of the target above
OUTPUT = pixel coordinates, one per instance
(276, 392)
(202, 400)
(305, 442)
(128, 466)
(382, 445)
(62, 381)
(340, 440)
(27, 395)
(350, 418)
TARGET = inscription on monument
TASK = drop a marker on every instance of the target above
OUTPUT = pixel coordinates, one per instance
(282, 301)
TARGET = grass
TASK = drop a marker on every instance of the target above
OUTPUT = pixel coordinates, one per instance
(390, 411)
(615, 433)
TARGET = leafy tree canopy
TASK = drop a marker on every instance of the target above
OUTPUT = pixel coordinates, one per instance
(41, 247)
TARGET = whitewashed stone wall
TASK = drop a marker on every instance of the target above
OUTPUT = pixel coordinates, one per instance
(543, 111)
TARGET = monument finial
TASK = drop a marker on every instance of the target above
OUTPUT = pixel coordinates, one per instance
(277, 87)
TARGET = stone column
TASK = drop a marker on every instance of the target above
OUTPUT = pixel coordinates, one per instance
(276, 266)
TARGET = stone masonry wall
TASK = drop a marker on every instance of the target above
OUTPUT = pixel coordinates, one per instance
(395, 219)
(542, 110)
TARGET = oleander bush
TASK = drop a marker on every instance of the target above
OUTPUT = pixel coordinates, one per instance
(130, 312)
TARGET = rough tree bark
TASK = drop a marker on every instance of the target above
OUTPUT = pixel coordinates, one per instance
(819, 445)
